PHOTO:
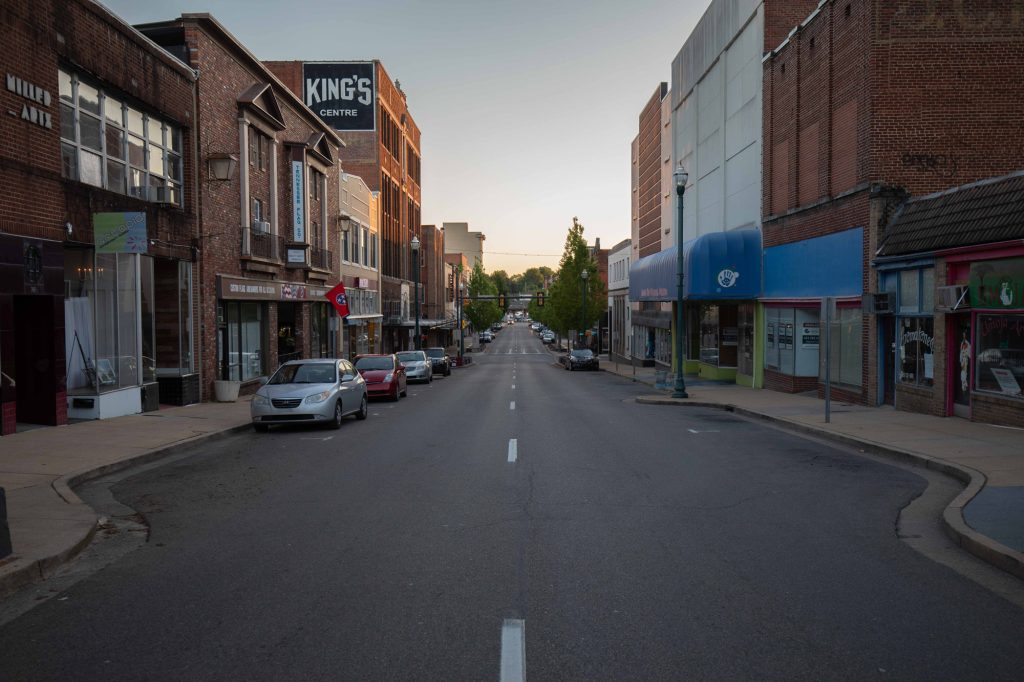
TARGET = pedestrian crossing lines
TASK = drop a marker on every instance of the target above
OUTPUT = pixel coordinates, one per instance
(520, 351)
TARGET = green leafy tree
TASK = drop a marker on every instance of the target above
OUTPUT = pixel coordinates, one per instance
(482, 314)
(568, 309)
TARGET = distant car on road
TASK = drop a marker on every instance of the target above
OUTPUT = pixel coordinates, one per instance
(384, 376)
(485, 337)
(322, 391)
(439, 361)
(548, 336)
(417, 366)
(580, 358)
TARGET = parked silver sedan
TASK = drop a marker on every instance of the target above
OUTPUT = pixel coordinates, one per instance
(320, 391)
(417, 365)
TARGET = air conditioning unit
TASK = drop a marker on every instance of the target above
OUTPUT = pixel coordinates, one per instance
(876, 303)
(953, 297)
(139, 192)
(261, 226)
(162, 195)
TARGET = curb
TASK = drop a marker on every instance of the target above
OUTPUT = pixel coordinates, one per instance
(965, 537)
(39, 569)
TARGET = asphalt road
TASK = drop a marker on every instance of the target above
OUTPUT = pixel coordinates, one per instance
(627, 542)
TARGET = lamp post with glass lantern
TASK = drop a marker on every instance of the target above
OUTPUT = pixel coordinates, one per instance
(584, 276)
(462, 329)
(416, 290)
(680, 176)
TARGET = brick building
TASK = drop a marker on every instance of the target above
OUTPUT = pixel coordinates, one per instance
(360, 271)
(651, 320)
(269, 225)
(382, 147)
(435, 323)
(97, 218)
(865, 104)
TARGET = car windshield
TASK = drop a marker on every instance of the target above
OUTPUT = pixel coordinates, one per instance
(435, 352)
(411, 356)
(374, 363)
(583, 353)
(305, 373)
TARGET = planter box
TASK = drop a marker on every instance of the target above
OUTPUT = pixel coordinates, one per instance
(226, 391)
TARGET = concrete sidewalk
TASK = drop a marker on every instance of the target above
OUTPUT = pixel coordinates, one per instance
(987, 518)
(49, 523)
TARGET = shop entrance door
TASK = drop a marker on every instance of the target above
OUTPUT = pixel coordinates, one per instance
(960, 376)
(35, 365)
(888, 324)
(287, 348)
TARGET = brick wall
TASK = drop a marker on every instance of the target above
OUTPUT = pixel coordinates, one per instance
(228, 72)
(649, 174)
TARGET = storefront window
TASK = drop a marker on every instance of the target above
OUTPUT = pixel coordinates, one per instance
(319, 329)
(745, 316)
(1000, 354)
(127, 321)
(916, 351)
(846, 345)
(709, 334)
(245, 340)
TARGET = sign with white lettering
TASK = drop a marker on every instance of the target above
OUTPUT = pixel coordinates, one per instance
(32, 93)
(343, 94)
(298, 203)
(120, 232)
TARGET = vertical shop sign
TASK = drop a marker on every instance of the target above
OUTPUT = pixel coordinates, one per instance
(298, 204)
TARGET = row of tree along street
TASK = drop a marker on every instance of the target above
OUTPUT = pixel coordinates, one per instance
(569, 299)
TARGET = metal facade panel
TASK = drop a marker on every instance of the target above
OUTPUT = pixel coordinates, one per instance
(824, 266)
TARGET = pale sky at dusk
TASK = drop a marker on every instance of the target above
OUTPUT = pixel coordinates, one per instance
(526, 108)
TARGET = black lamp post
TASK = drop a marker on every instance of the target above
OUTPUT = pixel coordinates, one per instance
(462, 330)
(416, 277)
(680, 177)
(584, 276)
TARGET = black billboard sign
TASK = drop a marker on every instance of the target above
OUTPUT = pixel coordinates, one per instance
(341, 93)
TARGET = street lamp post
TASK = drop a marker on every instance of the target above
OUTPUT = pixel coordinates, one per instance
(585, 275)
(462, 330)
(416, 276)
(680, 177)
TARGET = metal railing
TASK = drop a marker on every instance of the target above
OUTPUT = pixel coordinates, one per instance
(262, 244)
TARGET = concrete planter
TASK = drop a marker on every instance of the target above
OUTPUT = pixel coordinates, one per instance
(226, 391)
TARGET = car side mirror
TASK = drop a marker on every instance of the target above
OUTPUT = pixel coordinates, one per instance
(347, 377)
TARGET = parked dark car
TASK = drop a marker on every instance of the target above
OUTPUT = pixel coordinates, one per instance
(486, 337)
(439, 360)
(384, 375)
(581, 358)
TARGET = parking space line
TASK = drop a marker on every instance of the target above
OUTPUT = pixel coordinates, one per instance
(512, 405)
(513, 650)
(513, 448)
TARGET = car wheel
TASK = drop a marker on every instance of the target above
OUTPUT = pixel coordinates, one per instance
(364, 410)
(261, 428)
(336, 422)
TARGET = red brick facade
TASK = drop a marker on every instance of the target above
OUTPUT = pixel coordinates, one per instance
(277, 130)
(388, 160)
(867, 95)
(39, 203)
(648, 174)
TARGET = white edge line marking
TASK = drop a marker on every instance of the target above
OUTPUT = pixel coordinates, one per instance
(513, 650)
(513, 387)
(513, 447)
(512, 405)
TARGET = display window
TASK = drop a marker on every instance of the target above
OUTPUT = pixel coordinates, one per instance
(916, 351)
(244, 340)
(846, 346)
(792, 339)
(999, 363)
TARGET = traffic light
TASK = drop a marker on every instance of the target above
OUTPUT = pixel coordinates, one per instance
(540, 299)
(501, 301)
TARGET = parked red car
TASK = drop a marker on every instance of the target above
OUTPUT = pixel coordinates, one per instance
(383, 374)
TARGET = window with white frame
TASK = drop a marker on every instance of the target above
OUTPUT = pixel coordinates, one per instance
(110, 144)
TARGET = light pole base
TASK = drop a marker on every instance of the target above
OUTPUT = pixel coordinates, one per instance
(680, 392)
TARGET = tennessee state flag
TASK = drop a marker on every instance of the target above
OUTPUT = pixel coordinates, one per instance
(338, 299)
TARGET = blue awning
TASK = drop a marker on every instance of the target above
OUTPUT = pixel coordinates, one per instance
(718, 266)
(831, 265)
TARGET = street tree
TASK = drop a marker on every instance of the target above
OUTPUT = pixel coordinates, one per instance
(481, 313)
(568, 309)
